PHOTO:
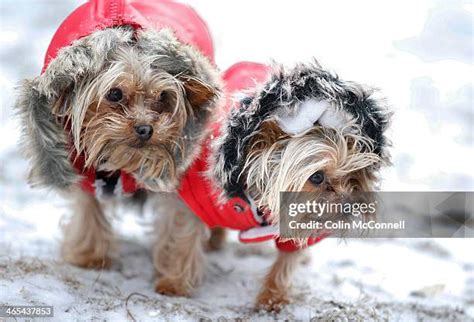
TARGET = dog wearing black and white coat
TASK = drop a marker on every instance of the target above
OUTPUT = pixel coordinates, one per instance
(302, 129)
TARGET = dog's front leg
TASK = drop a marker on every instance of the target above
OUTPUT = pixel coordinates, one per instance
(274, 293)
(88, 236)
(217, 239)
(178, 254)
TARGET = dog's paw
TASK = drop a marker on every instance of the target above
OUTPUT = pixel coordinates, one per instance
(90, 263)
(171, 287)
(271, 301)
(93, 263)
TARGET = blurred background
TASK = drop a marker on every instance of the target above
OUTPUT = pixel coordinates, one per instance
(418, 53)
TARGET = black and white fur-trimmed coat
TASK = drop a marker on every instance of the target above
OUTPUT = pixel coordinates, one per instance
(332, 102)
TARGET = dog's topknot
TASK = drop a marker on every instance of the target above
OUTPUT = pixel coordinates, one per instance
(281, 95)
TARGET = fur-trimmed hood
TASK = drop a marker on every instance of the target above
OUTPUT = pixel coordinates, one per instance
(296, 99)
(141, 14)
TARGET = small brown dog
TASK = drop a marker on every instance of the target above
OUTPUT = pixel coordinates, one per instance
(116, 111)
(304, 130)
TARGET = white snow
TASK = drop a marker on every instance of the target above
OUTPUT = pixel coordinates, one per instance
(419, 53)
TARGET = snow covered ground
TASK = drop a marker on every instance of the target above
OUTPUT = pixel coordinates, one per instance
(419, 53)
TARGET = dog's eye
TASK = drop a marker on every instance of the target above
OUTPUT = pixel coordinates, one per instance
(163, 96)
(317, 178)
(114, 95)
(161, 104)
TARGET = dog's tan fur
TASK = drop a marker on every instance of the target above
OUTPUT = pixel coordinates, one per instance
(274, 292)
(107, 133)
(278, 162)
(217, 239)
(179, 250)
(88, 235)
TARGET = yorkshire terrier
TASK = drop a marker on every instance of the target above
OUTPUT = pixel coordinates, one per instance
(116, 112)
(302, 130)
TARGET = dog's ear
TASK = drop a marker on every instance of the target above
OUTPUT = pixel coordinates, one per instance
(199, 77)
(198, 93)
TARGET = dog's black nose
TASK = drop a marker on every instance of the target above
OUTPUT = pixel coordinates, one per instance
(144, 132)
